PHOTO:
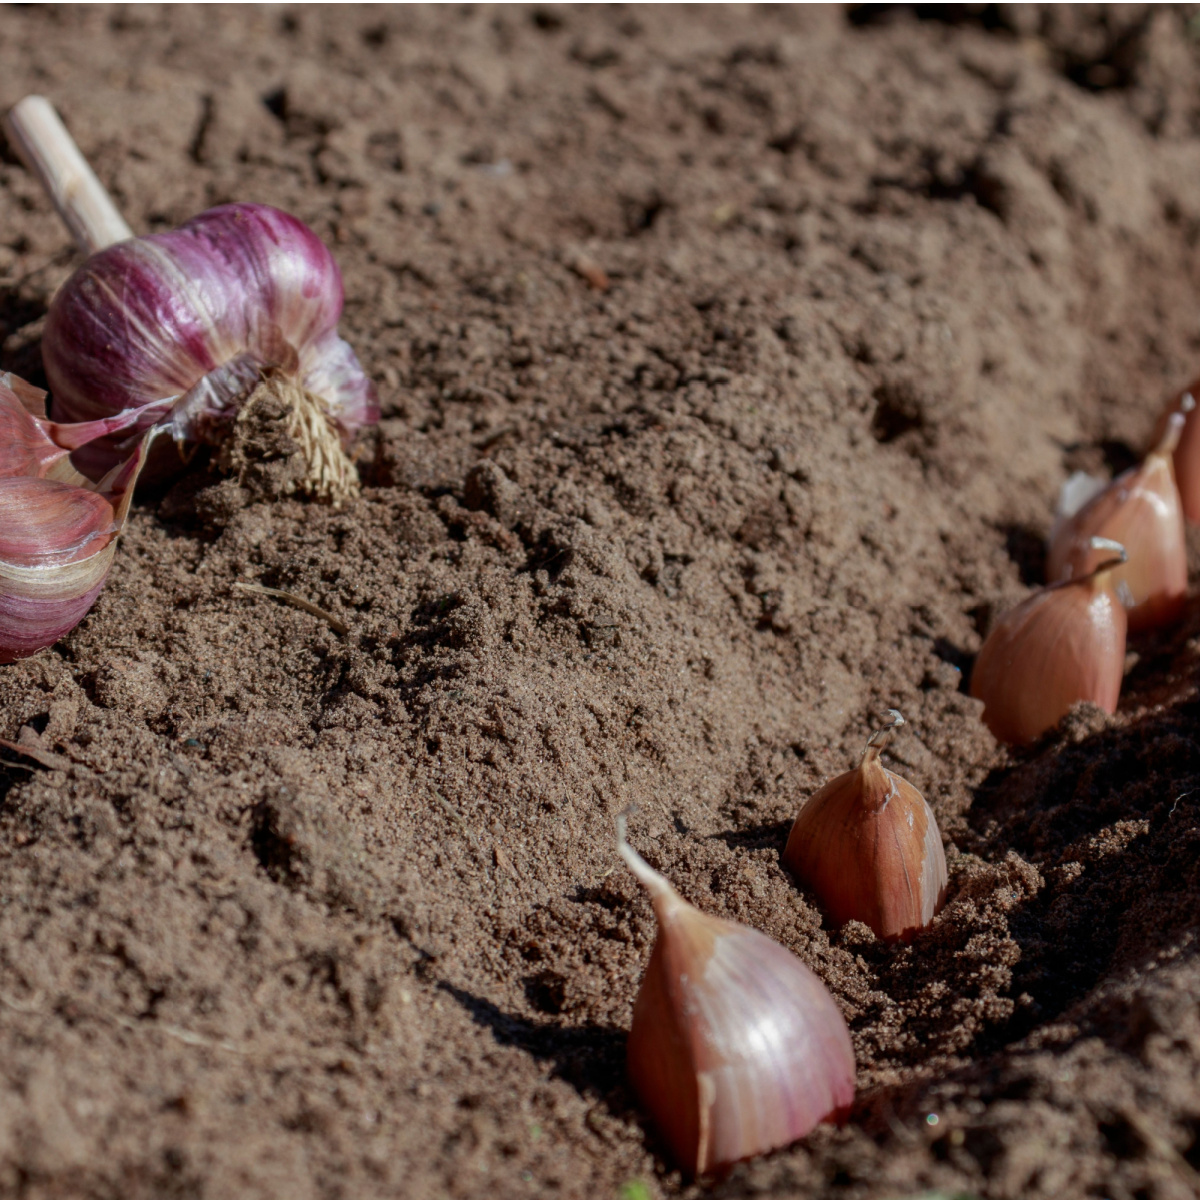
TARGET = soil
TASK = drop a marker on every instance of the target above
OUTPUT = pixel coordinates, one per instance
(731, 361)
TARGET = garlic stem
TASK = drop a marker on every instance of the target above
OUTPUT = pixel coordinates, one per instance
(660, 890)
(1174, 430)
(47, 149)
(882, 736)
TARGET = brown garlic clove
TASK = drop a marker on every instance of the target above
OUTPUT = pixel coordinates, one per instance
(1141, 510)
(1186, 456)
(868, 846)
(1065, 643)
(736, 1047)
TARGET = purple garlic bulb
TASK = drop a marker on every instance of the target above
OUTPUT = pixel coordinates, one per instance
(181, 328)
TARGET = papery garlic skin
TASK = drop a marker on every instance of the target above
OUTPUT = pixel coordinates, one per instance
(1140, 509)
(868, 846)
(1064, 644)
(182, 326)
(736, 1047)
(59, 532)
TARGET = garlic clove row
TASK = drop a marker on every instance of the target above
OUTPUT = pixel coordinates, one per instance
(59, 534)
(868, 846)
(736, 1047)
(1141, 509)
(1064, 644)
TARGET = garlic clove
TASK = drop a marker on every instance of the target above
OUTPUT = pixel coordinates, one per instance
(736, 1047)
(1064, 644)
(1186, 456)
(59, 534)
(868, 846)
(1140, 509)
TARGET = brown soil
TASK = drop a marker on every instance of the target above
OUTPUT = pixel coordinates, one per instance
(297, 914)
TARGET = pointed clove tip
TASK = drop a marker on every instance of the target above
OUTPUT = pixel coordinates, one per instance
(1173, 430)
(1103, 543)
(1187, 403)
(880, 738)
(657, 885)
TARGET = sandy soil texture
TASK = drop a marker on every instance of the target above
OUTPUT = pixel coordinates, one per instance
(731, 361)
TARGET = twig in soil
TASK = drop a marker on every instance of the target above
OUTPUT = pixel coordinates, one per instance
(54, 762)
(173, 1031)
(336, 624)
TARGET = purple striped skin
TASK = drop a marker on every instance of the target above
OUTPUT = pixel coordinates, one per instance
(29, 625)
(58, 532)
(147, 320)
(47, 523)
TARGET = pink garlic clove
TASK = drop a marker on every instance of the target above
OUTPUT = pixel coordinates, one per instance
(1064, 644)
(736, 1047)
(1140, 509)
(59, 532)
(868, 846)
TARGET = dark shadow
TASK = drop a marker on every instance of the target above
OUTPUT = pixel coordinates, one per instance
(1119, 456)
(591, 1058)
(771, 836)
(897, 412)
(1026, 549)
(961, 660)
(988, 16)
(12, 772)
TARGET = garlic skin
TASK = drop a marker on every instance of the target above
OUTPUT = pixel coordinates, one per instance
(1141, 509)
(868, 846)
(736, 1047)
(60, 530)
(1063, 644)
(180, 327)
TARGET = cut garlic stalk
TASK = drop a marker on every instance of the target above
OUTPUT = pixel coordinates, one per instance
(868, 846)
(736, 1047)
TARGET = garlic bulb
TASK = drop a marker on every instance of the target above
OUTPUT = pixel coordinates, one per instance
(1141, 510)
(736, 1047)
(1065, 643)
(60, 530)
(868, 846)
(182, 327)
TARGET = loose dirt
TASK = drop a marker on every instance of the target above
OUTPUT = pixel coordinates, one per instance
(731, 361)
